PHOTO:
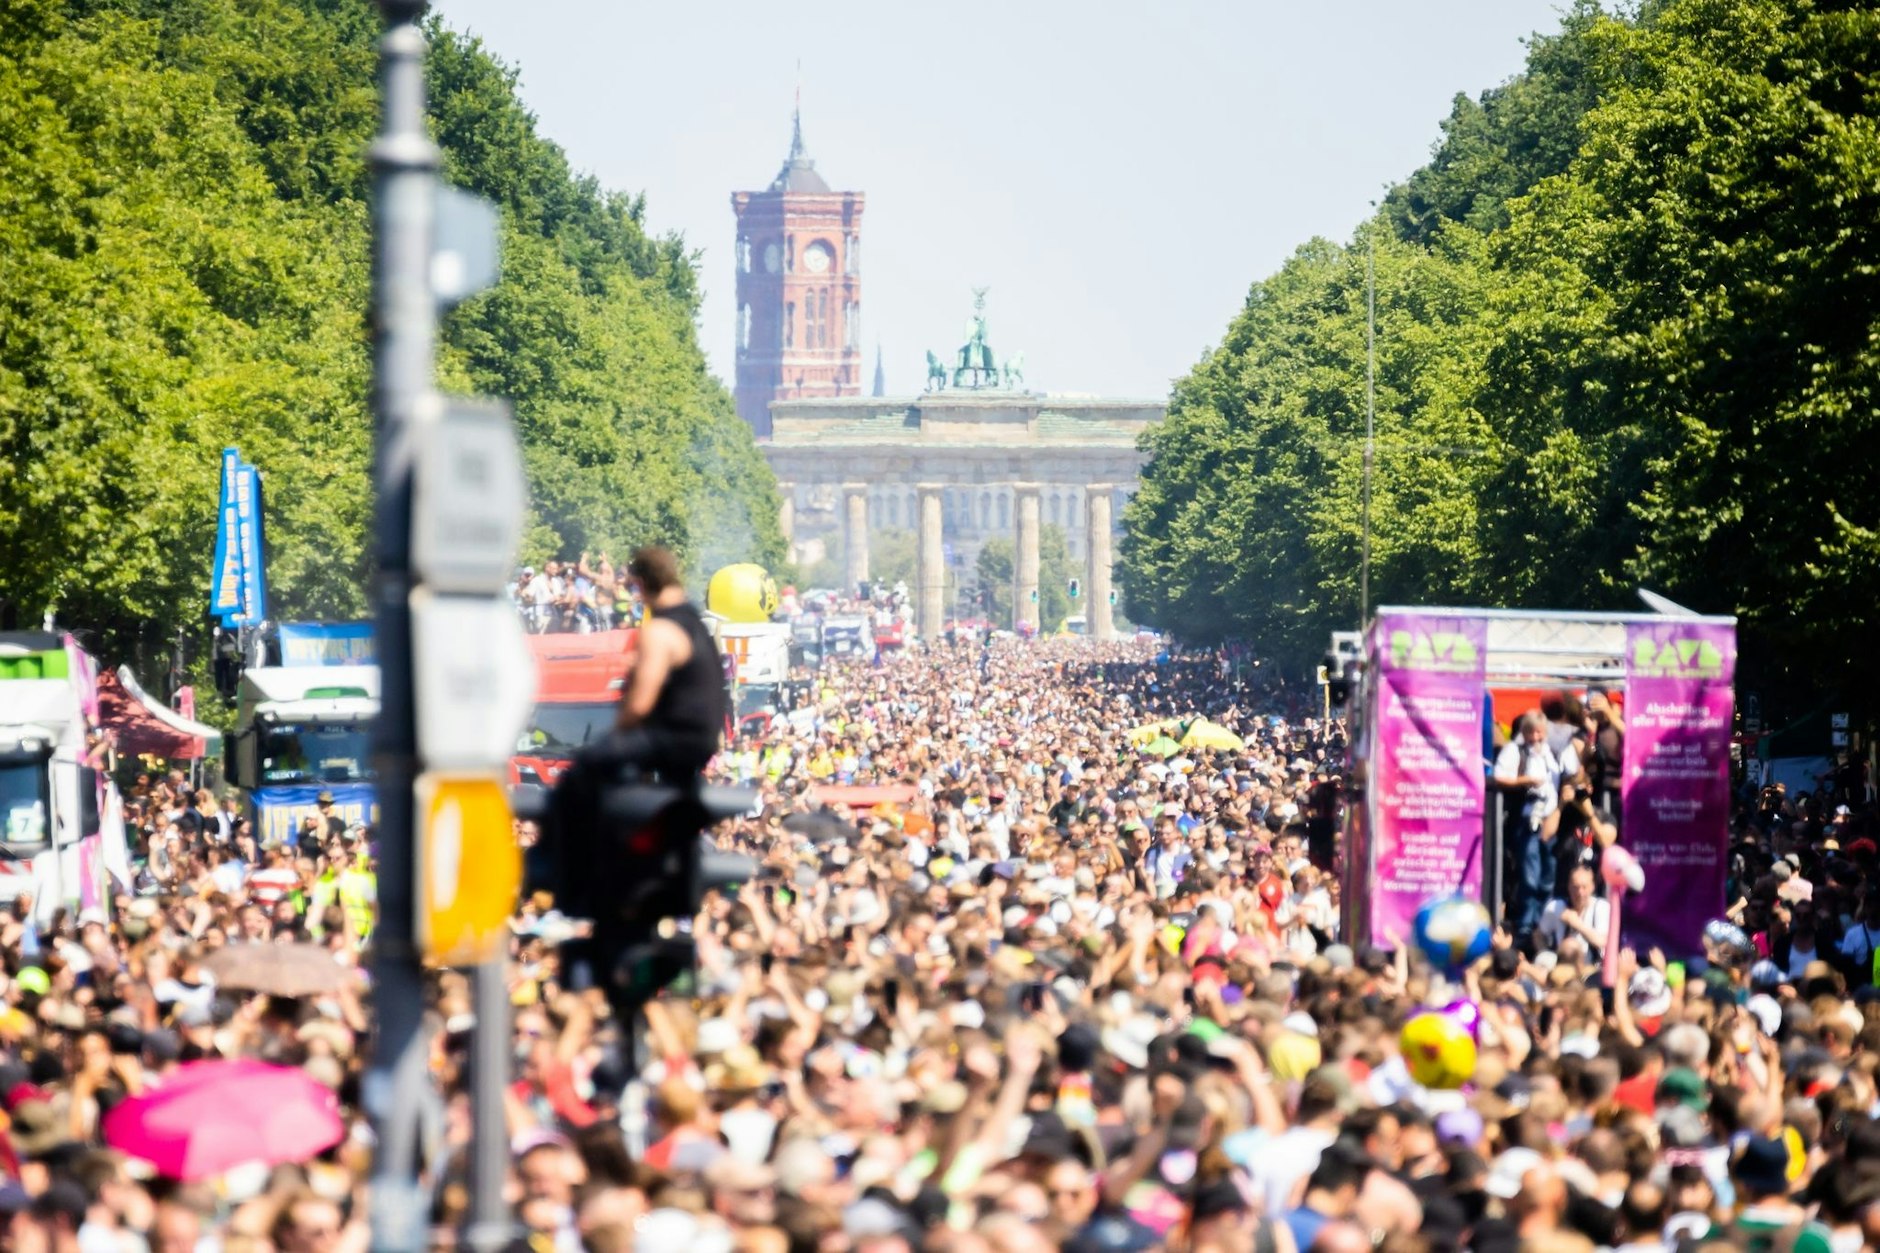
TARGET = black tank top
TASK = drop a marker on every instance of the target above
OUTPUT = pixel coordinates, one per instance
(692, 703)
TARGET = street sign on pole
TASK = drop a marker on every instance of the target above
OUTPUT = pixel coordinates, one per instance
(475, 679)
(469, 498)
(469, 867)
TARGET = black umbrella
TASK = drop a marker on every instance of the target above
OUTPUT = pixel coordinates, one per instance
(822, 827)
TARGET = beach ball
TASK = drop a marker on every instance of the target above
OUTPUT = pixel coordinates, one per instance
(742, 593)
(1453, 931)
(1438, 1050)
(1465, 1014)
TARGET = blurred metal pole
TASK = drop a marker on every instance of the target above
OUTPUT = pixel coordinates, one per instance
(490, 1228)
(404, 326)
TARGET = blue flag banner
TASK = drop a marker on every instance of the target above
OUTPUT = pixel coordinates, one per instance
(225, 588)
(327, 644)
(254, 591)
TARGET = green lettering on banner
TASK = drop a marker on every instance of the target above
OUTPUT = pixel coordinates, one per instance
(1678, 659)
(1432, 650)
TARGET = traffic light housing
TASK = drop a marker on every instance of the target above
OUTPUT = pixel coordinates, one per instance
(1340, 677)
(633, 856)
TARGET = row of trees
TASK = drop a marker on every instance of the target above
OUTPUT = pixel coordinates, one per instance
(1628, 328)
(184, 265)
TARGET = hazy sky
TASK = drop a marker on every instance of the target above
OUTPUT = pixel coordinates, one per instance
(1117, 173)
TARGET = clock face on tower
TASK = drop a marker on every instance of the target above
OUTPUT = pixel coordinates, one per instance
(817, 256)
(773, 257)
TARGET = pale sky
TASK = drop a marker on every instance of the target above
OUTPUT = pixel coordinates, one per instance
(1117, 173)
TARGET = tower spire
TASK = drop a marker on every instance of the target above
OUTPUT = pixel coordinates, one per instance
(796, 116)
(881, 376)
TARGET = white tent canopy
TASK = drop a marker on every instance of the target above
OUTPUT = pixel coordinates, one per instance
(161, 711)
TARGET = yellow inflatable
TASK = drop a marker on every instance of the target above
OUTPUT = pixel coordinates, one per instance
(742, 593)
(1438, 1050)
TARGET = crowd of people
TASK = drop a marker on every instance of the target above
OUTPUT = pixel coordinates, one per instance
(1065, 988)
(573, 597)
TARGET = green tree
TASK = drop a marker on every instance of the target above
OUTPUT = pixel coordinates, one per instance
(1247, 523)
(1725, 214)
(995, 568)
(1054, 575)
(1498, 146)
(184, 265)
(1627, 329)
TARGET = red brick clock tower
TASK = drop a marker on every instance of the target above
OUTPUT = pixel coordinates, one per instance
(799, 319)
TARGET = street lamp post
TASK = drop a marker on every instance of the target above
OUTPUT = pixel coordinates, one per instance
(404, 332)
(1370, 425)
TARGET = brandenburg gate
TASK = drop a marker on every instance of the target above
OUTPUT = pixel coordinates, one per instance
(972, 457)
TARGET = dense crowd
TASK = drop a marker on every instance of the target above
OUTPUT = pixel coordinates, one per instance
(1065, 988)
(570, 597)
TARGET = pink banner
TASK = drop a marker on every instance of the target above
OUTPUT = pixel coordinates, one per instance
(91, 894)
(1426, 779)
(84, 677)
(1676, 792)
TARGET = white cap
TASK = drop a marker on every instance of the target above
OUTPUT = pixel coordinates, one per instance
(1767, 1013)
(1504, 1177)
(717, 1035)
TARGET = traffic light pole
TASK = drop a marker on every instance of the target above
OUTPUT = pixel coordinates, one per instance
(404, 331)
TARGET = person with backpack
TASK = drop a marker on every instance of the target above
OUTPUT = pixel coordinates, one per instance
(1861, 942)
(1528, 769)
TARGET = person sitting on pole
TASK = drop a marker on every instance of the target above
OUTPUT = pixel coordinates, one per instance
(672, 711)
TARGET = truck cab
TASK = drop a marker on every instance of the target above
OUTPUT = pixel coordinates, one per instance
(580, 678)
(848, 635)
(301, 732)
(49, 796)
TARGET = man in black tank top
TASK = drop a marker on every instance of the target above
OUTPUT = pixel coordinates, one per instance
(673, 710)
(669, 722)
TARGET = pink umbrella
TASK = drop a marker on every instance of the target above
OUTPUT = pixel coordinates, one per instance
(211, 1116)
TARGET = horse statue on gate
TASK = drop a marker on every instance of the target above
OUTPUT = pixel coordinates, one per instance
(936, 372)
(1014, 371)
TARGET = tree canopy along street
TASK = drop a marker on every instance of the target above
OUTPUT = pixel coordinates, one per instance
(1628, 319)
(184, 266)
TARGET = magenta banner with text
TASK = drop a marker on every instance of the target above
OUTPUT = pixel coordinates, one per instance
(1426, 779)
(1676, 793)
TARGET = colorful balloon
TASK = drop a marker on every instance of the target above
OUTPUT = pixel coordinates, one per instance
(742, 593)
(1465, 1014)
(1621, 870)
(1438, 1050)
(1453, 931)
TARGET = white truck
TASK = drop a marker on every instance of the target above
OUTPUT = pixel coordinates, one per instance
(757, 661)
(303, 732)
(55, 807)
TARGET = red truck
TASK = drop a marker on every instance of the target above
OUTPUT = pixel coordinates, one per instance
(580, 678)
